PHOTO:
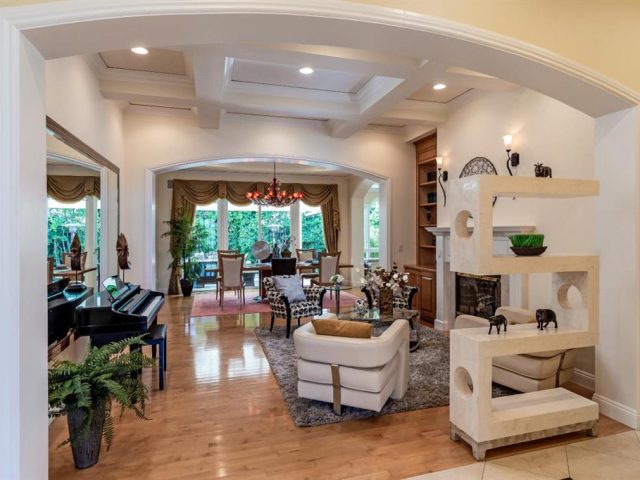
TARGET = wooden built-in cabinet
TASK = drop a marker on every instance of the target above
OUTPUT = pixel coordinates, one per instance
(423, 273)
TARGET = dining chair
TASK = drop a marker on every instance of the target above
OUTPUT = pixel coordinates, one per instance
(231, 266)
(306, 255)
(219, 274)
(328, 266)
(283, 266)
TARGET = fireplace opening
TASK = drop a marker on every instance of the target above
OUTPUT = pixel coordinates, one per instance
(477, 295)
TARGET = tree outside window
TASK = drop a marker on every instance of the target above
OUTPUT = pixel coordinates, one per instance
(311, 227)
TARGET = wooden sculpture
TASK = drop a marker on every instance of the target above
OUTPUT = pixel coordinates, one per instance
(544, 317)
(75, 262)
(122, 248)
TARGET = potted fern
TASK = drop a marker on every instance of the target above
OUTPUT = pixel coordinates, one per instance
(85, 391)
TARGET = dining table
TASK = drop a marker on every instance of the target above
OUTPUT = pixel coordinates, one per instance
(264, 269)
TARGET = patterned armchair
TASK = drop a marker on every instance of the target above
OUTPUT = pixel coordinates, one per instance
(405, 301)
(280, 306)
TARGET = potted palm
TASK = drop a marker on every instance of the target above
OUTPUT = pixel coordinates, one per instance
(187, 238)
(85, 391)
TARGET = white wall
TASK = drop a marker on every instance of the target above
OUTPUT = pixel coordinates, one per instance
(545, 131)
(75, 102)
(155, 141)
(164, 197)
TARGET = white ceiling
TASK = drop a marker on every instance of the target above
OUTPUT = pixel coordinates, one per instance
(349, 90)
(249, 71)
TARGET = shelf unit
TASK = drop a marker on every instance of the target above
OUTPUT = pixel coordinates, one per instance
(423, 273)
(475, 417)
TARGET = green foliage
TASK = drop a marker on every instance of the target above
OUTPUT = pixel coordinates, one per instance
(208, 219)
(527, 240)
(187, 238)
(312, 231)
(59, 234)
(107, 374)
(243, 230)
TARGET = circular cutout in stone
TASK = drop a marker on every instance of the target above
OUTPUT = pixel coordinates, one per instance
(461, 224)
(463, 382)
(569, 296)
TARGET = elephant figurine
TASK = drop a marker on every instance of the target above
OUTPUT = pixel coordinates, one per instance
(542, 171)
(497, 321)
(544, 317)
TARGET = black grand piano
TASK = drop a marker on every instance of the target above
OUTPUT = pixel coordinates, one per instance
(62, 304)
(120, 311)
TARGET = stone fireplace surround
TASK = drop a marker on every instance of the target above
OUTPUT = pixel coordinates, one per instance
(514, 288)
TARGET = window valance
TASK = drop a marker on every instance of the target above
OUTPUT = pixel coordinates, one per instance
(70, 188)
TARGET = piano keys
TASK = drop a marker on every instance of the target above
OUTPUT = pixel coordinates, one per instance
(127, 311)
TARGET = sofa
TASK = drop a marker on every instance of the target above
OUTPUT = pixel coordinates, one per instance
(358, 372)
(525, 372)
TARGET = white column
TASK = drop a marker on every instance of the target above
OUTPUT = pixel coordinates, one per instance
(23, 216)
(617, 166)
(296, 225)
(90, 236)
(223, 224)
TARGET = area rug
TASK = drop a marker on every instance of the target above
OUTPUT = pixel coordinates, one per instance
(205, 304)
(428, 379)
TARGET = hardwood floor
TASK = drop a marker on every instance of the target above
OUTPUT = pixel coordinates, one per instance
(221, 415)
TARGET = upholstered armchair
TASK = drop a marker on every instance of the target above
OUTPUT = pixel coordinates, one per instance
(359, 372)
(525, 372)
(403, 301)
(281, 307)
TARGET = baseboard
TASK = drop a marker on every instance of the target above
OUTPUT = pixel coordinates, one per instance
(617, 411)
(584, 379)
(440, 324)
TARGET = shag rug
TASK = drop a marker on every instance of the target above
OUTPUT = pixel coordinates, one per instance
(205, 304)
(428, 379)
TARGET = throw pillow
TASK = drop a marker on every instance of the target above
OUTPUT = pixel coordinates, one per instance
(342, 328)
(291, 287)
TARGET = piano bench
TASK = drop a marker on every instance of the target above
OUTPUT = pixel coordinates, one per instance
(157, 336)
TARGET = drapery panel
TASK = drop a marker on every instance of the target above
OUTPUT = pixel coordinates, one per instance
(70, 188)
(189, 193)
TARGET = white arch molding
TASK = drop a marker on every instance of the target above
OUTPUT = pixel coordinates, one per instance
(30, 34)
(150, 268)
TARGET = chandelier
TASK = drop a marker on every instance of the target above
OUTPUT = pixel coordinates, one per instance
(275, 196)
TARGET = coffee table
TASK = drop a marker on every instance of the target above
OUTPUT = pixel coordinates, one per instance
(373, 315)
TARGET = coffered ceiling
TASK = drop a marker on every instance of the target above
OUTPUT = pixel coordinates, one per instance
(349, 89)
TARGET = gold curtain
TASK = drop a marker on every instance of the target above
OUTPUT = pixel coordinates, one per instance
(189, 193)
(69, 188)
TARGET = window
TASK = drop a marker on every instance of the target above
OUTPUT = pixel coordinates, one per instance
(64, 221)
(207, 216)
(276, 224)
(311, 227)
(372, 224)
(242, 227)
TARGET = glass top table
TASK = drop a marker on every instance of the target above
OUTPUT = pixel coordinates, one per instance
(373, 315)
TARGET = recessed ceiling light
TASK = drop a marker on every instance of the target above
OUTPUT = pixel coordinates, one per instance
(306, 70)
(439, 86)
(139, 50)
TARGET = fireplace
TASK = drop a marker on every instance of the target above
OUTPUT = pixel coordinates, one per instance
(478, 295)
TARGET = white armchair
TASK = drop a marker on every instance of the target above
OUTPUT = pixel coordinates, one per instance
(359, 372)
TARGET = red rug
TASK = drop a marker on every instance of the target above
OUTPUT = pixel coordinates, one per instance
(206, 305)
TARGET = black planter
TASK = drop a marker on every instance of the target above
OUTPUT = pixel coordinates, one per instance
(186, 286)
(528, 251)
(85, 439)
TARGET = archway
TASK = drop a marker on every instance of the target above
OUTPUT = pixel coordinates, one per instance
(366, 178)
(31, 34)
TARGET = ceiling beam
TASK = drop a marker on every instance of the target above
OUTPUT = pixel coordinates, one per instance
(210, 68)
(383, 98)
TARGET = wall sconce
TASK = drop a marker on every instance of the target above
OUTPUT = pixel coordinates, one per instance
(513, 159)
(443, 176)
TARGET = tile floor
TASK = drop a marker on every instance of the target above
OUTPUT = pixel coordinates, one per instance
(607, 458)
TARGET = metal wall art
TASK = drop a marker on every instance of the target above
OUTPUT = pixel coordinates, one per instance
(479, 166)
